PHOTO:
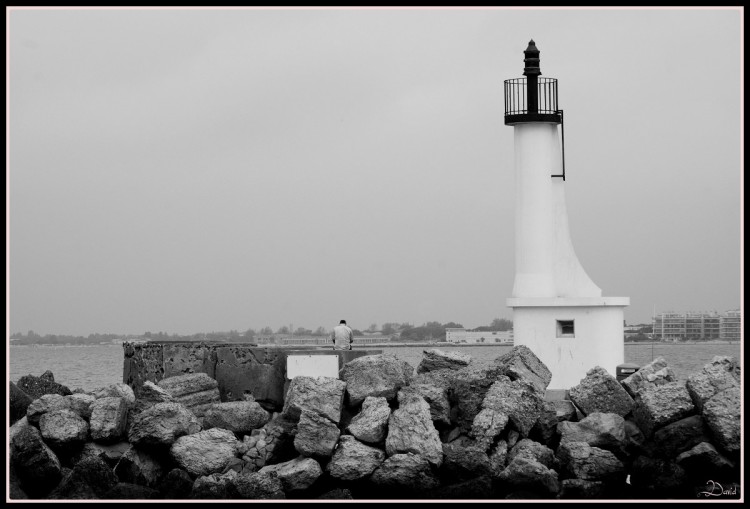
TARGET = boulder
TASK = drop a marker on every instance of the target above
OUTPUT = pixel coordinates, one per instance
(408, 472)
(138, 466)
(370, 425)
(18, 402)
(316, 436)
(603, 430)
(63, 430)
(522, 364)
(435, 359)
(44, 404)
(652, 374)
(463, 460)
(128, 491)
(518, 399)
(437, 398)
(659, 478)
(583, 461)
(238, 416)
(109, 417)
(565, 410)
(679, 436)
(661, 405)
(91, 476)
(257, 486)
(297, 474)
(37, 467)
(177, 484)
(149, 392)
(722, 415)
(526, 474)
(110, 453)
(599, 391)
(80, 403)
(532, 450)
(545, 427)
(487, 425)
(354, 460)
(323, 395)
(410, 429)
(718, 375)
(36, 387)
(214, 486)
(162, 424)
(197, 391)
(498, 457)
(466, 391)
(273, 443)
(116, 391)
(704, 462)
(374, 375)
(205, 452)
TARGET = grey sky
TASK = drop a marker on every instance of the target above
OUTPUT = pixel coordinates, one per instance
(205, 170)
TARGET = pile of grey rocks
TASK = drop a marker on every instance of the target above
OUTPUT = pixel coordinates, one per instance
(383, 430)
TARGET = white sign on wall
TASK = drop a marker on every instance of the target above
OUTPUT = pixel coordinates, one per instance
(312, 365)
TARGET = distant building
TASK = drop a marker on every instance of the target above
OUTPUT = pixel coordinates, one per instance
(698, 326)
(460, 335)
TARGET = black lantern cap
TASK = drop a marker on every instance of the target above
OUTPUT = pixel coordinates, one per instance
(531, 60)
(531, 99)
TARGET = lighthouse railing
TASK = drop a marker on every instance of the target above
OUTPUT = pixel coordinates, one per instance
(516, 100)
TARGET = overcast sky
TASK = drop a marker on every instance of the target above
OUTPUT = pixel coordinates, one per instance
(205, 170)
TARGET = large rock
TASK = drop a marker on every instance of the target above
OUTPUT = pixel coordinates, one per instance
(116, 391)
(722, 415)
(532, 450)
(375, 375)
(410, 429)
(38, 386)
(273, 443)
(109, 418)
(705, 462)
(316, 436)
(177, 484)
(205, 452)
(466, 391)
(661, 405)
(590, 463)
(297, 474)
(214, 486)
(162, 424)
(37, 467)
(44, 404)
(522, 364)
(80, 403)
(138, 466)
(257, 486)
(238, 416)
(19, 401)
(323, 395)
(601, 392)
(659, 478)
(526, 474)
(435, 359)
(652, 374)
(409, 472)
(91, 476)
(63, 430)
(498, 458)
(720, 374)
(518, 399)
(679, 436)
(487, 425)
(545, 427)
(463, 460)
(603, 430)
(197, 391)
(370, 425)
(437, 398)
(110, 453)
(354, 460)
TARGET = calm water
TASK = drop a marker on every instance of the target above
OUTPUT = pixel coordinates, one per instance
(92, 367)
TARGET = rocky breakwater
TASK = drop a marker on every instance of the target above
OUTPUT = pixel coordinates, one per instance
(381, 431)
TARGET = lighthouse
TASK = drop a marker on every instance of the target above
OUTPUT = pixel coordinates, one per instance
(558, 311)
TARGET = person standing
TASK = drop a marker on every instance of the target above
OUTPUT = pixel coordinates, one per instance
(342, 336)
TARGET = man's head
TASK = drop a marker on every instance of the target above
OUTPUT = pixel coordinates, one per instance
(342, 322)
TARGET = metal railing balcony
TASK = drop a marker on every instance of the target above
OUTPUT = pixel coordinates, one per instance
(526, 103)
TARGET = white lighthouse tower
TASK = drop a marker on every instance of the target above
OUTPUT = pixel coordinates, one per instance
(558, 312)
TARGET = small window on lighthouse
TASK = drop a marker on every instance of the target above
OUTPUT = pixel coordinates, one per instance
(565, 329)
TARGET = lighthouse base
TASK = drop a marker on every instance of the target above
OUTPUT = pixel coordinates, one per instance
(571, 335)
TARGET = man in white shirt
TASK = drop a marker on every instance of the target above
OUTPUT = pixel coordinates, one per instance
(342, 336)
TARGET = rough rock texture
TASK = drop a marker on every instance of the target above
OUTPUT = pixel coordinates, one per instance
(463, 461)
(522, 364)
(437, 398)
(717, 376)
(138, 466)
(19, 401)
(409, 472)
(91, 476)
(466, 391)
(370, 425)
(257, 486)
(354, 460)
(581, 489)
(518, 399)
(603, 430)
(410, 429)
(63, 430)
(297, 474)
(177, 484)
(337, 494)
(374, 375)
(322, 395)
(45, 403)
(81, 404)
(108, 421)
(238, 416)
(110, 453)
(36, 387)
(435, 359)
(545, 427)
(487, 425)
(532, 450)
(214, 486)
(498, 457)
(205, 452)
(162, 424)
(679, 436)
(722, 415)
(273, 443)
(316, 436)
(652, 374)
(526, 474)
(704, 461)
(37, 467)
(116, 391)
(601, 392)
(197, 391)
(661, 405)
(590, 463)
(565, 410)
